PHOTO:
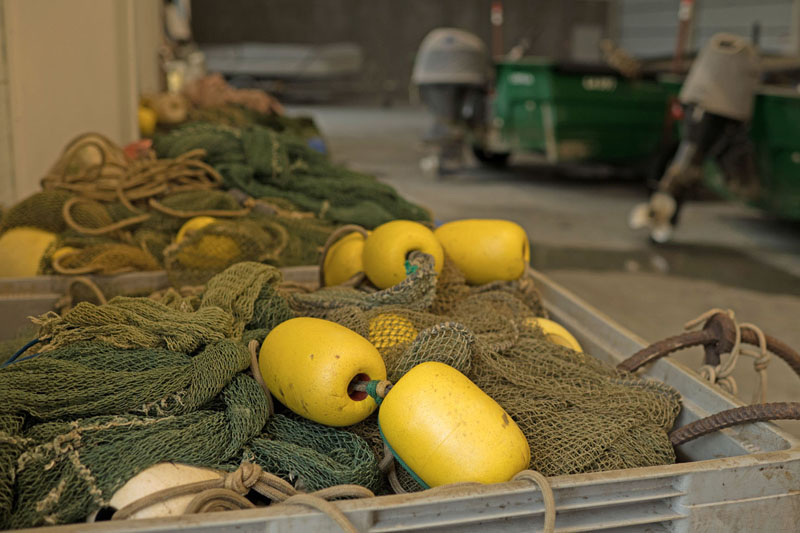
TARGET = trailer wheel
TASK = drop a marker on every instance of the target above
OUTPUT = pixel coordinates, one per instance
(489, 158)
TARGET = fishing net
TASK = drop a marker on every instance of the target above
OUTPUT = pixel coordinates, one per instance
(115, 211)
(144, 380)
(263, 163)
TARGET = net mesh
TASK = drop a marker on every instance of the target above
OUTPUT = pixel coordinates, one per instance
(274, 201)
(145, 380)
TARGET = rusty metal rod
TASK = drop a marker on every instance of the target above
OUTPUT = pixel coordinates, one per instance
(760, 412)
(659, 349)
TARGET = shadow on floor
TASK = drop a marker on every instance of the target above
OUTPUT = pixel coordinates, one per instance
(725, 266)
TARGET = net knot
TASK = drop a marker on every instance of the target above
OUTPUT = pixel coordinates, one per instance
(243, 478)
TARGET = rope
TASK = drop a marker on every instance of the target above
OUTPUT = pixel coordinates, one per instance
(65, 303)
(283, 241)
(721, 374)
(326, 507)
(66, 213)
(158, 206)
(88, 269)
(256, 371)
(229, 490)
(119, 178)
(332, 239)
(547, 496)
(21, 351)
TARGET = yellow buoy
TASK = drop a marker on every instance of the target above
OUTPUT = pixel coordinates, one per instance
(555, 333)
(193, 224)
(389, 329)
(147, 121)
(308, 365)
(486, 250)
(21, 250)
(447, 430)
(385, 251)
(343, 260)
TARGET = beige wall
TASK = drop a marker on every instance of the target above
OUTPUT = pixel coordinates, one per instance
(72, 66)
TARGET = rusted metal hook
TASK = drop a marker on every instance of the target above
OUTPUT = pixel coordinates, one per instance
(718, 337)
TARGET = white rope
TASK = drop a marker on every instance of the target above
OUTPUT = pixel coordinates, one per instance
(721, 374)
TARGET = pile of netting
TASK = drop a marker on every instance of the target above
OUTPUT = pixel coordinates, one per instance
(259, 189)
(264, 164)
(117, 388)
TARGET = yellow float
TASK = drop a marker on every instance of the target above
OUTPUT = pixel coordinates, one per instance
(555, 333)
(21, 250)
(193, 224)
(209, 252)
(386, 250)
(447, 430)
(308, 364)
(486, 250)
(343, 260)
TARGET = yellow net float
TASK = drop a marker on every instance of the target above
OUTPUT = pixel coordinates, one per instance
(444, 429)
(555, 333)
(344, 259)
(22, 250)
(192, 225)
(486, 250)
(439, 425)
(213, 252)
(308, 364)
(385, 251)
(390, 329)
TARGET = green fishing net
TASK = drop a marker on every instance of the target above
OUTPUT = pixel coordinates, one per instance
(119, 387)
(283, 200)
(264, 163)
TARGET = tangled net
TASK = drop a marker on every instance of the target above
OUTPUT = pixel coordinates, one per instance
(142, 381)
(114, 212)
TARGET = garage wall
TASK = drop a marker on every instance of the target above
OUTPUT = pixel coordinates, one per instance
(69, 66)
(389, 31)
(648, 28)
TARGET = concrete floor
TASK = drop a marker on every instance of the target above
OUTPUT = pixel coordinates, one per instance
(723, 255)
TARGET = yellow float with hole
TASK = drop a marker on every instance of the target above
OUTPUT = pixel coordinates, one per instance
(555, 333)
(486, 250)
(308, 364)
(21, 250)
(344, 259)
(386, 250)
(445, 429)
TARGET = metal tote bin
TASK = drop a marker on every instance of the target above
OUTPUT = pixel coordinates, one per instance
(745, 478)
(24, 297)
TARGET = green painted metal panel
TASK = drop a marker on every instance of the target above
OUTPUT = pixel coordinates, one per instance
(578, 115)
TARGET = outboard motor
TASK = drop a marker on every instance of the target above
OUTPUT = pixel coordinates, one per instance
(717, 99)
(451, 72)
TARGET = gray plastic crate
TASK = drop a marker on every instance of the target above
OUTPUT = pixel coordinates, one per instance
(745, 478)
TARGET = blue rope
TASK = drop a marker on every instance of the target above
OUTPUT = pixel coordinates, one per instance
(21, 351)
